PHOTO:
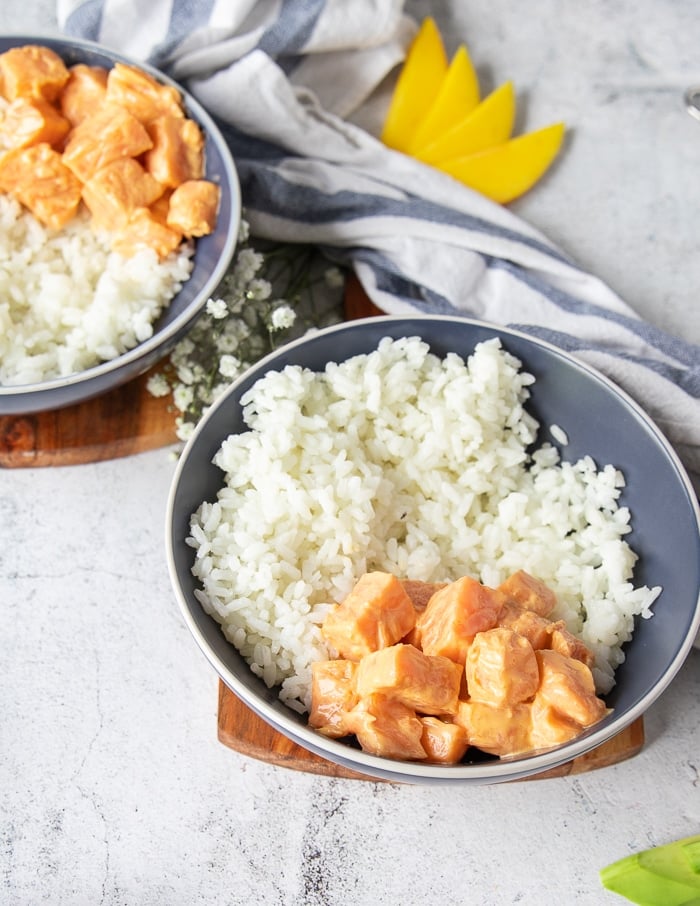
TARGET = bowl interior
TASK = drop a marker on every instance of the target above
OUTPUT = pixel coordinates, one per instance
(213, 253)
(600, 421)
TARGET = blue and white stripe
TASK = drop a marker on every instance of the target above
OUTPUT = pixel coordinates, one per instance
(285, 78)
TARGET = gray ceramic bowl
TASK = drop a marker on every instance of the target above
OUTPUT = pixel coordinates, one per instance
(600, 420)
(212, 257)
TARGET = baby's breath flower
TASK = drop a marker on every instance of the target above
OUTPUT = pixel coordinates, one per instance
(248, 264)
(260, 299)
(229, 366)
(237, 329)
(282, 318)
(259, 289)
(183, 396)
(334, 277)
(183, 429)
(158, 385)
(227, 343)
(217, 308)
(206, 397)
(185, 373)
(185, 347)
(218, 390)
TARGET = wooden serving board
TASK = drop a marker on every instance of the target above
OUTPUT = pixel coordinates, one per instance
(240, 729)
(122, 422)
(129, 420)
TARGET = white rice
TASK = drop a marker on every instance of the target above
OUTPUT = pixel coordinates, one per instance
(67, 302)
(559, 434)
(403, 462)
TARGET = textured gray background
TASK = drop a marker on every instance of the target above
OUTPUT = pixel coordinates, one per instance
(113, 787)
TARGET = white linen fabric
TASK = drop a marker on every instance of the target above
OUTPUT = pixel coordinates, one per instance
(287, 81)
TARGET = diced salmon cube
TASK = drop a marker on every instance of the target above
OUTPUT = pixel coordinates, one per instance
(193, 208)
(444, 743)
(376, 614)
(429, 685)
(568, 686)
(536, 629)
(117, 190)
(566, 643)
(32, 71)
(143, 96)
(549, 727)
(107, 135)
(160, 207)
(177, 154)
(144, 229)
(453, 617)
(31, 121)
(387, 728)
(496, 730)
(529, 592)
(84, 92)
(37, 178)
(333, 696)
(501, 668)
(419, 593)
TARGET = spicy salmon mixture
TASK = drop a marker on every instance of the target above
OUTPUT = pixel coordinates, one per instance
(116, 141)
(424, 671)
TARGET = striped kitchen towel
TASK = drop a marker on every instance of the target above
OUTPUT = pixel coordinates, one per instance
(289, 81)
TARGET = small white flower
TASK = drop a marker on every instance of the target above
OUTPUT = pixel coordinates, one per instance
(229, 365)
(204, 397)
(282, 317)
(185, 347)
(198, 373)
(183, 397)
(334, 277)
(226, 344)
(259, 290)
(158, 385)
(247, 265)
(238, 329)
(185, 374)
(243, 230)
(217, 308)
(218, 390)
(183, 429)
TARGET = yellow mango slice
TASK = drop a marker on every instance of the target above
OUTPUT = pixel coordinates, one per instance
(457, 97)
(489, 124)
(417, 87)
(506, 171)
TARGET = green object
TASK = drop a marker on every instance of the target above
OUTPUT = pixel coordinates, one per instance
(691, 849)
(663, 876)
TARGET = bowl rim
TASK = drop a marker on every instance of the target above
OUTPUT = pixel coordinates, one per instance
(503, 769)
(160, 338)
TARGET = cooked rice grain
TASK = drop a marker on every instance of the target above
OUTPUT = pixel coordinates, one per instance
(67, 302)
(403, 462)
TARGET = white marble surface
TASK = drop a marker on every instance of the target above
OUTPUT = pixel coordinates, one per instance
(113, 787)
